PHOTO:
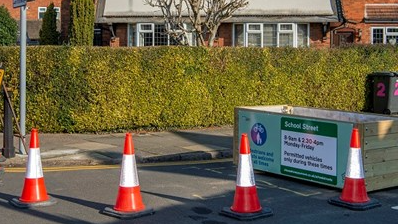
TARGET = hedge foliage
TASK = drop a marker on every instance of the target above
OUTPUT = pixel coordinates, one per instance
(96, 89)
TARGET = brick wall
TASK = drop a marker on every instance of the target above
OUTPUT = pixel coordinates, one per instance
(317, 40)
(32, 12)
(121, 32)
(354, 11)
(32, 9)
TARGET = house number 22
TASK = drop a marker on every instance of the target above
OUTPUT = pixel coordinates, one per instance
(381, 89)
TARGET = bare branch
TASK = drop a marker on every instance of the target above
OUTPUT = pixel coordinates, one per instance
(205, 16)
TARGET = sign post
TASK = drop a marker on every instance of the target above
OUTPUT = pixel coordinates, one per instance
(22, 5)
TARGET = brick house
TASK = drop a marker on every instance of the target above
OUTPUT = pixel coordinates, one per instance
(34, 13)
(293, 23)
(367, 22)
(296, 23)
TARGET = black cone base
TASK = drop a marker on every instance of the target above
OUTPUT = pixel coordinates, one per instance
(19, 204)
(127, 215)
(265, 212)
(373, 203)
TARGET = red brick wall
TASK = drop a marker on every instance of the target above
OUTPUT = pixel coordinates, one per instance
(354, 11)
(224, 36)
(32, 9)
(121, 32)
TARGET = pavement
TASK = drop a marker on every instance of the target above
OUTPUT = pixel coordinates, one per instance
(104, 149)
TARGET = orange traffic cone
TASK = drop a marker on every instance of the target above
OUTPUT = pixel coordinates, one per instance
(129, 203)
(246, 205)
(34, 193)
(354, 194)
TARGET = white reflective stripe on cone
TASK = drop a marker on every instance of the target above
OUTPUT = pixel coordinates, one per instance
(245, 176)
(129, 176)
(354, 168)
(34, 165)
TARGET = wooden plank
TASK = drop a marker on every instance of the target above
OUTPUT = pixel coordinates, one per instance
(380, 155)
(381, 128)
(377, 169)
(380, 141)
(382, 181)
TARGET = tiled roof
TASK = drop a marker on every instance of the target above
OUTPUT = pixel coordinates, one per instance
(118, 11)
(381, 12)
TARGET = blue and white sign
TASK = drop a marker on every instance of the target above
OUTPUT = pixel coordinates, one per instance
(258, 134)
(20, 3)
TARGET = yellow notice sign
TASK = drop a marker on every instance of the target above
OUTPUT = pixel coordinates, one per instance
(1, 75)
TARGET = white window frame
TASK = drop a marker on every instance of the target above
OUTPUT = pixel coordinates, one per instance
(385, 33)
(44, 10)
(139, 31)
(294, 32)
(248, 31)
(307, 33)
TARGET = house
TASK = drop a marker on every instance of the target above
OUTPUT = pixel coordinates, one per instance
(296, 23)
(34, 15)
(262, 23)
(367, 22)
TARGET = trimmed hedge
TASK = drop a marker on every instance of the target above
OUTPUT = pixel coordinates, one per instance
(93, 89)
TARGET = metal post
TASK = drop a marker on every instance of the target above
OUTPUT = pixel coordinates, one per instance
(22, 77)
(8, 136)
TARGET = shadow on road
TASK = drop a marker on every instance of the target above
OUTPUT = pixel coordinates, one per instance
(37, 213)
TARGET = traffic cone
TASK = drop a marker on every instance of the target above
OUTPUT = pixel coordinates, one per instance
(354, 194)
(246, 205)
(129, 203)
(34, 193)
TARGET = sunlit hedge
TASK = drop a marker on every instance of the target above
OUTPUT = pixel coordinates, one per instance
(72, 89)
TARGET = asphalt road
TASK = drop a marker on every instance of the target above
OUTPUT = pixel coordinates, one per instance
(184, 193)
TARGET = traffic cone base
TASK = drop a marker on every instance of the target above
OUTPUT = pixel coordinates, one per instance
(21, 204)
(263, 213)
(372, 203)
(127, 215)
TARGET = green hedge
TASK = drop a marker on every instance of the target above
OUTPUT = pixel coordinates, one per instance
(79, 89)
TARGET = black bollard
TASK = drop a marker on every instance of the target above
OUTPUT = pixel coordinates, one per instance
(8, 137)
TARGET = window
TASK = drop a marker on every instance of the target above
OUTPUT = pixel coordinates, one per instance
(384, 35)
(160, 37)
(271, 35)
(391, 36)
(286, 35)
(149, 34)
(42, 10)
(239, 35)
(146, 35)
(254, 35)
(303, 36)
